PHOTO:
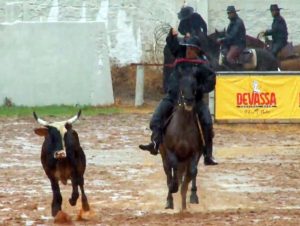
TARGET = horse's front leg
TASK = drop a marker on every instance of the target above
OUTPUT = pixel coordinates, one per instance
(173, 165)
(194, 197)
(193, 170)
(184, 188)
(167, 169)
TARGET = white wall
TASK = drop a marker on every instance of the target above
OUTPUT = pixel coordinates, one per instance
(55, 63)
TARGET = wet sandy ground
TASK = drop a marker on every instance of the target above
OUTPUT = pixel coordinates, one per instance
(256, 183)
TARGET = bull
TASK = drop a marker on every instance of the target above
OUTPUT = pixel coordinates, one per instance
(62, 159)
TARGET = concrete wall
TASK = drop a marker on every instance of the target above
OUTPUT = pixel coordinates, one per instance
(55, 63)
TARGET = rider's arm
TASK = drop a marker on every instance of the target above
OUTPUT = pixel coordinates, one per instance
(208, 77)
(173, 43)
(277, 26)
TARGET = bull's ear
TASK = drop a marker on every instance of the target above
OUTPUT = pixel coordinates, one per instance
(43, 131)
(68, 126)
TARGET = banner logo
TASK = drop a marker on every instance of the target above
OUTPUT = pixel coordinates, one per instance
(256, 98)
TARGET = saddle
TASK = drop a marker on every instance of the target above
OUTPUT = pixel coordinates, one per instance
(287, 52)
(248, 59)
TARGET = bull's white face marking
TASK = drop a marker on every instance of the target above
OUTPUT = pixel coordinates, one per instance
(60, 126)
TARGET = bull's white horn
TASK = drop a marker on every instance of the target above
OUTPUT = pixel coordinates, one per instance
(39, 120)
(75, 118)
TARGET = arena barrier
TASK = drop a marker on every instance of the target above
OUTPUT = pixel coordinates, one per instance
(55, 63)
(257, 97)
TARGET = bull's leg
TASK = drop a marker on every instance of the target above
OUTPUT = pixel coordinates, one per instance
(75, 193)
(84, 200)
(57, 198)
(193, 170)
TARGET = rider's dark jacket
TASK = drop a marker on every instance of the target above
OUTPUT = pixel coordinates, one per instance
(235, 33)
(194, 24)
(279, 30)
(206, 77)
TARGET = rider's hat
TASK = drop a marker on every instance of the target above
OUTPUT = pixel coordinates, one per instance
(185, 12)
(231, 9)
(193, 41)
(274, 7)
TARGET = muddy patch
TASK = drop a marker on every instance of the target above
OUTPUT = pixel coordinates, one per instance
(256, 183)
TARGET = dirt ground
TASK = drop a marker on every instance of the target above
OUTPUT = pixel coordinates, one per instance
(256, 183)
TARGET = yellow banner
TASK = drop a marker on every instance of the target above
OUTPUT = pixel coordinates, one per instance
(257, 97)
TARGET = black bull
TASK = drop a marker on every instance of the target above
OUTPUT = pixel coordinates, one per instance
(63, 158)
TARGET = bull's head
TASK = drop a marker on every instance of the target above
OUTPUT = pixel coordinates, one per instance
(58, 134)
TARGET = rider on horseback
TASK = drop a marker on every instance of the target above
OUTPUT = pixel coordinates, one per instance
(234, 41)
(279, 30)
(193, 58)
(191, 22)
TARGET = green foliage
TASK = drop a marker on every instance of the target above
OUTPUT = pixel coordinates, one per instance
(54, 110)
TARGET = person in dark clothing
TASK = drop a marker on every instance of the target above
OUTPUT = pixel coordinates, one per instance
(191, 22)
(206, 78)
(234, 41)
(279, 31)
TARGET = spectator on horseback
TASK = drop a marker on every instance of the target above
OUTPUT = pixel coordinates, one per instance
(234, 41)
(279, 31)
(191, 22)
(193, 58)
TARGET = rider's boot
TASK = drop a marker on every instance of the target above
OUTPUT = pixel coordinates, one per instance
(208, 148)
(209, 160)
(153, 146)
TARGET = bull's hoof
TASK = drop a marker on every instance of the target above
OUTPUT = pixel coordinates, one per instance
(55, 210)
(169, 204)
(85, 206)
(194, 198)
(72, 201)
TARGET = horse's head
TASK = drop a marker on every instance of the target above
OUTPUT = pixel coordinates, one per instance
(220, 34)
(187, 89)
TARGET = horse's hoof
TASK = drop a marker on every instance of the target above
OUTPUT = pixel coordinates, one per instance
(169, 205)
(194, 199)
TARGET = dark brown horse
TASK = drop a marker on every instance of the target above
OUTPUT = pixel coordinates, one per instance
(182, 146)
